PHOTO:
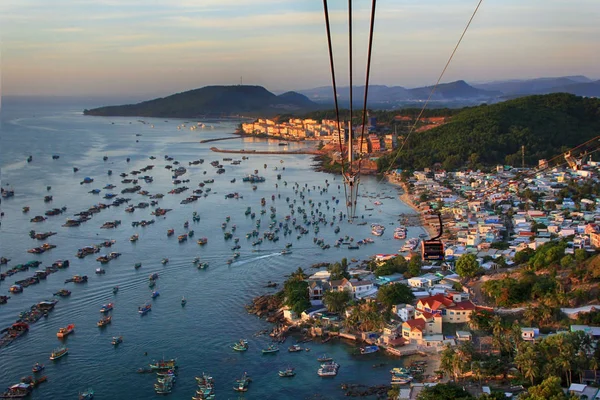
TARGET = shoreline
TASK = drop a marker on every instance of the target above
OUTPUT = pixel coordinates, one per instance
(406, 199)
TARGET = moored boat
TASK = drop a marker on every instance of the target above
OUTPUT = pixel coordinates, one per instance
(87, 394)
(106, 307)
(143, 310)
(162, 365)
(287, 373)
(37, 367)
(59, 352)
(295, 348)
(116, 340)
(104, 321)
(64, 332)
(271, 349)
(369, 349)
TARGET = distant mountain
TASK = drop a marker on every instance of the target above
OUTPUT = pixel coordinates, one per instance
(382, 95)
(532, 86)
(454, 90)
(587, 89)
(213, 101)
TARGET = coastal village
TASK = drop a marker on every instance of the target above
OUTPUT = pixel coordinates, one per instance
(497, 227)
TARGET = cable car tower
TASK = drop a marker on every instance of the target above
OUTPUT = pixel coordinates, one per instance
(350, 167)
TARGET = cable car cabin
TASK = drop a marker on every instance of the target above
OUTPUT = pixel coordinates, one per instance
(432, 250)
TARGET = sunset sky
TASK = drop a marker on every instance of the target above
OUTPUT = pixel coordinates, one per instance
(139, 47)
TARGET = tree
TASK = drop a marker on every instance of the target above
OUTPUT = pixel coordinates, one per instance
(549, 389)
(336, 301)
(296, 293)
(467, 266)
(444, 391)
(580, 255)
(392, 294)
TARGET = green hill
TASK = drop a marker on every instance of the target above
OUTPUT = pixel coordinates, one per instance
(493, 134)
(212, 101)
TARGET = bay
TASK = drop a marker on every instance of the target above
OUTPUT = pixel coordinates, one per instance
(200, 334)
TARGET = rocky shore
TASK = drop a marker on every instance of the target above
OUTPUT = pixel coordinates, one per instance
(267, 306)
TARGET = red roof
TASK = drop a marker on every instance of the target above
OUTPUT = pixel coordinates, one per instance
(435, 302)
(416, 324)
(463, 305)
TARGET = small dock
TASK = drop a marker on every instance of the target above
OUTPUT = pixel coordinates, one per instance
(313, 152)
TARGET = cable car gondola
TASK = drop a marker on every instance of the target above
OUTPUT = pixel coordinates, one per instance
(433, 249)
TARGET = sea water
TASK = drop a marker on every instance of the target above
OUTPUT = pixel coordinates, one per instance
(200, 334)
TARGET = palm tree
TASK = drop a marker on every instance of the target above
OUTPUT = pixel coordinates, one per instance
(336, 301)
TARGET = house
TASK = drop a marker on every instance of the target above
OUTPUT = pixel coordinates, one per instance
(310, 313)
(424, 281)
(404, 311)
(316, 290)
(446, 307)
(593, 331)
(530, 334)
(412, 330)
(581, 390)
(464, 336)
(361, 288)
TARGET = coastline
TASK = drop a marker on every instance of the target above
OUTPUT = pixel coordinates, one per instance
(407, 199)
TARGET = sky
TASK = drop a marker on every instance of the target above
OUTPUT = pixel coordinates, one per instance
(159, 47)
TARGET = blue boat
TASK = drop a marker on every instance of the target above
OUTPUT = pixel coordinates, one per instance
(155, 294)
(143, 310)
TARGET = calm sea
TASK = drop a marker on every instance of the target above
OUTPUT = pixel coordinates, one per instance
(200, 334)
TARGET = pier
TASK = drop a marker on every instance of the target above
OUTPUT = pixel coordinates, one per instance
(313, 152)
(219, 139)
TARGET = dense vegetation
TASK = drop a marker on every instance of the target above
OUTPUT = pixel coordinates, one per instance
(547, 279)
(546, 125)
(213, 101)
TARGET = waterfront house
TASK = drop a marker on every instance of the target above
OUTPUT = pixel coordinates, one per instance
(316, 290)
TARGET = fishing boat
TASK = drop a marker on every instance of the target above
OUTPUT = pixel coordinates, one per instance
(164, 261)
(377, 229)
(87, 394)
(106, 307)
(143, 310)
(64, 332)
(116, 340)
(170, 232)
(328, 369)
(400, 233)
(242, 384)
(155, 294)
(271, 349)
(59, 352)
(202, 241)
(104, 321)
(137, 265)
(183, 301)
(63, 293)
(134, 238)
(115, 289)
(37, 367)
(286, 251)
(295, 348)
(242, 345)
(287, 373)
(369, 349)
(324, 358)
(162, 365)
